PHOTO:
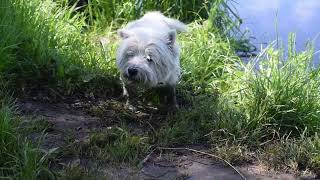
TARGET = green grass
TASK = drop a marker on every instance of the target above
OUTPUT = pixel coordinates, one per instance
(78, 173)
(102, 14)
(254, 111)
(46, 46)
(189, 126)
(273, 110)
(117, 145)
(206, 58)
(281, 95)
(20, 159)
(243, 114)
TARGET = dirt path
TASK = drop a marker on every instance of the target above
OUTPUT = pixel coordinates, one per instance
(71, 123)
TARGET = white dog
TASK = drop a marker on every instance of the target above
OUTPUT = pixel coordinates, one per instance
(148, 55)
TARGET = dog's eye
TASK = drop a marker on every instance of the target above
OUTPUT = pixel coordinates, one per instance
(149, 59)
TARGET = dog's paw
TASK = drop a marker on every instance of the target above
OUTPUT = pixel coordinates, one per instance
(131, 108)
(176, 107)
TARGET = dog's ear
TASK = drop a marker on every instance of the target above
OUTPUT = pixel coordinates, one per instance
(171, 37)
(123, 33)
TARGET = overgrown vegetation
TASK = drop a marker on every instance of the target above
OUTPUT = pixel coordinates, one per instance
(102, 14)
(266, 110)
(46, 46)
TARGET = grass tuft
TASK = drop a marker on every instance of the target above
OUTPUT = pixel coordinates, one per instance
(280, 96)
(19, 158)
(116, 145)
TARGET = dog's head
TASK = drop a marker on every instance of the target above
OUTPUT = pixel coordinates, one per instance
(147, 57)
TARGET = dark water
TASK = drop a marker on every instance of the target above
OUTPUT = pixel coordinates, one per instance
(261, 17)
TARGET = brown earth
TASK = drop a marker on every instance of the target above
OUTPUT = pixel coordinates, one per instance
(71, 121)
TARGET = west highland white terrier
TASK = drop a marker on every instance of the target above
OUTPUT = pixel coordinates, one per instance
(148, 56)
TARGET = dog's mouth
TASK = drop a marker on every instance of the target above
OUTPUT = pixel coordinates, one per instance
(141, 79)
(136, 80)
(131, 79)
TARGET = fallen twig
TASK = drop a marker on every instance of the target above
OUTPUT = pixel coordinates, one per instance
(205, 153)
(146, 158)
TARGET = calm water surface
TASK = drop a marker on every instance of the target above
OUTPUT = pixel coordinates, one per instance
(299, 16)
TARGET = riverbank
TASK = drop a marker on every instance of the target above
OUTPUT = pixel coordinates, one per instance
(59, 65)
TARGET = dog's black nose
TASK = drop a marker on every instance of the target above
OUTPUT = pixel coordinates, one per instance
(132, 71)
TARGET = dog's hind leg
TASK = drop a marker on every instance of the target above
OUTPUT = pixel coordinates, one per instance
(168, 96)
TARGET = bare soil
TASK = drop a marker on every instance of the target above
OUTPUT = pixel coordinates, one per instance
(71, 121)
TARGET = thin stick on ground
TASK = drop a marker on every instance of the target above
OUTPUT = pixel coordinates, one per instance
(208, 154)
(146, 158)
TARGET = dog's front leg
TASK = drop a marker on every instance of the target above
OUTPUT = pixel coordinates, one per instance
(129, 93)
(171, 97)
